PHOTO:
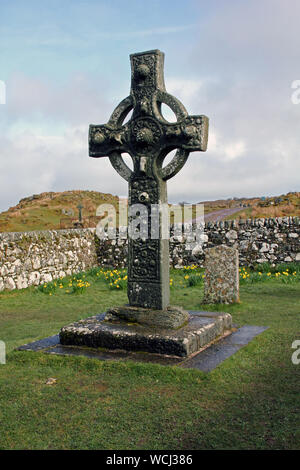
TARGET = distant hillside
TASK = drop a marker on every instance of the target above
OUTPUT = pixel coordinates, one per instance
(55, 210)
(256, 207)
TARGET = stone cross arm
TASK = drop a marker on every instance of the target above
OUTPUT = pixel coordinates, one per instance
(148, 134)
(189, 134)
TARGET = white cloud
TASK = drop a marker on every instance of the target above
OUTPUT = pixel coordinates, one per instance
(238, 72)
(184, 89)
(33, 163)
(235, 150)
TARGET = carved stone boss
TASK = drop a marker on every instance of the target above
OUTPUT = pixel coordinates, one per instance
(147, 137)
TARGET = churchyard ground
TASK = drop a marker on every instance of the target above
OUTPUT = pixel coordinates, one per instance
(250, 401)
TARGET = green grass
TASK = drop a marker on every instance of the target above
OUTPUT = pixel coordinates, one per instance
(244, 213)
(250, 401)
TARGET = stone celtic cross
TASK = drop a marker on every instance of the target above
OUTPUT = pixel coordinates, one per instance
(148, 137)
(80, 207)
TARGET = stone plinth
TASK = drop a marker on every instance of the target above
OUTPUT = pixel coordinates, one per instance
(201, 329)
(172, 317)
(221, 275)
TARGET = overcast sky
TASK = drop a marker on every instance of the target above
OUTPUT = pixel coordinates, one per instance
(65, 65)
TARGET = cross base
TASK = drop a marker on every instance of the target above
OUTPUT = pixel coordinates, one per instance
(170, 318)
(200, 330)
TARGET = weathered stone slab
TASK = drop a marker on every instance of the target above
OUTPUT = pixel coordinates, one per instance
(114, 355)
(221, 283)
(211, 357)
(217, 353)
(243, 335)
(205, 361)
(40, 344)
(196, 334)
(171, 317)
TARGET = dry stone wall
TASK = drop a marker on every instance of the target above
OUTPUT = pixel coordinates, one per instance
(31, 258)
(258, 240)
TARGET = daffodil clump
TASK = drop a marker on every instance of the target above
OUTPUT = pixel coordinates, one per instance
(187, 276)
(191, 276)
(48, 288)
(76, 284)
(261, 274)
(188, 269)
(244, 274)
(115, 278)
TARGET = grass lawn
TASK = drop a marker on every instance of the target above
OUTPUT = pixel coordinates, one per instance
(250, 401)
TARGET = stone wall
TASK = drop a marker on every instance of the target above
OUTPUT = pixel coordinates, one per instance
(31, 258)
(258, 240)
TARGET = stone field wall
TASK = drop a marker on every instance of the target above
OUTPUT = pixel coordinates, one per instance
(258, 240)
(31, 258)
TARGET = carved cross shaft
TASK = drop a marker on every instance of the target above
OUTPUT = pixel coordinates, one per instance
(148, 138)
(80, 207)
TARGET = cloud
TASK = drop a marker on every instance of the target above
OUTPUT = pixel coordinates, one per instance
(237, 68)
(32, 163)
(54, 36)
(44, 138)
(235, 150)
(80, 100)
(245, 62)
(184, 89)
(121, 35)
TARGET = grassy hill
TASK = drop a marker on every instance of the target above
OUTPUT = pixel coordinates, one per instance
(275, 206)
(55, 210)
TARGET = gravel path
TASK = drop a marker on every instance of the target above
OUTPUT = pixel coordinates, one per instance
(219, 215)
